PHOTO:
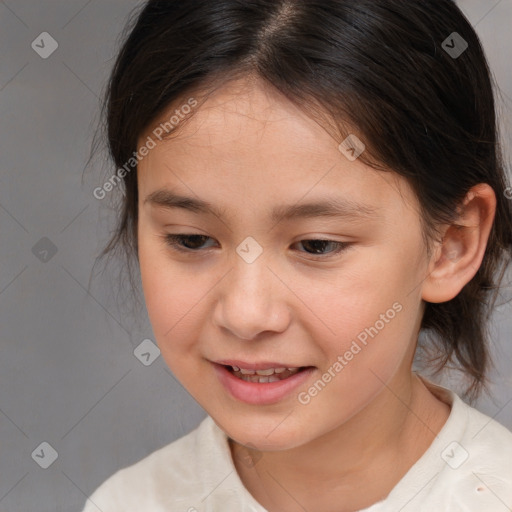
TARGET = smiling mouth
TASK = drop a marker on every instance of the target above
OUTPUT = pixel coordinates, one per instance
(264, 376)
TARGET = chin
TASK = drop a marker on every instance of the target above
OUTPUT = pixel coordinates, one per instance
(264, 435)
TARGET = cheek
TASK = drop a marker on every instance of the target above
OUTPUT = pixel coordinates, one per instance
(347, 302)
(365, 357)
(172, 296)
(372, 319)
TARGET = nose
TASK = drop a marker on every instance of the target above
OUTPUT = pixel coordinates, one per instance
(252, 300)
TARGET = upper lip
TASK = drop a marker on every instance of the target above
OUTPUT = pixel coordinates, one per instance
(262, 365)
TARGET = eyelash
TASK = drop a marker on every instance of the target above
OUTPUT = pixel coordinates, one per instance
(173, 240)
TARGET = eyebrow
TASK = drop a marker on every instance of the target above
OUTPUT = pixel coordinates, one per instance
(327, 207)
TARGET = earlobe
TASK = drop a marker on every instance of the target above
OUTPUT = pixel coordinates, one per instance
(458, 257)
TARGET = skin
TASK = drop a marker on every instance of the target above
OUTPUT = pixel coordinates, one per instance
(246, 150)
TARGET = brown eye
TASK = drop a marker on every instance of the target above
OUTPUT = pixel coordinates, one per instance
(191, 243)
(316, 247)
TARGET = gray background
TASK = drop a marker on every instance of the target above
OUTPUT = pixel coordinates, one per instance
(68, 373)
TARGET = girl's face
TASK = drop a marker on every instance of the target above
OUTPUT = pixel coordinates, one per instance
(253, 288)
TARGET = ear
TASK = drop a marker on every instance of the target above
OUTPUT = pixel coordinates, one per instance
(456, 259)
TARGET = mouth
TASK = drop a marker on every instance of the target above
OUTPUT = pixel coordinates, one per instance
(264, 376)
(261, 383)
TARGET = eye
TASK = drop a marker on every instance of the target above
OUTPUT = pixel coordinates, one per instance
(192, 242)
(195, 243)
(317, 246)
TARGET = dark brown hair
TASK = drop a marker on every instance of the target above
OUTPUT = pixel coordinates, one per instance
(378, 66)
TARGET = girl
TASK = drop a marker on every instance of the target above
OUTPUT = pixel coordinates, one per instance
(309, 184)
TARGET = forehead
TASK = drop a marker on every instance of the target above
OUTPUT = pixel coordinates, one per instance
(248, 140)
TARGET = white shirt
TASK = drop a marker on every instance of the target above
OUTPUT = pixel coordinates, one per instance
(468, 467)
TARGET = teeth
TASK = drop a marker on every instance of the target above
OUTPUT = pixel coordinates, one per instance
(264, 376)
(259, 379)
(265, 373)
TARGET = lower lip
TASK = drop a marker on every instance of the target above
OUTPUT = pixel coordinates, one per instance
(260, 394)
